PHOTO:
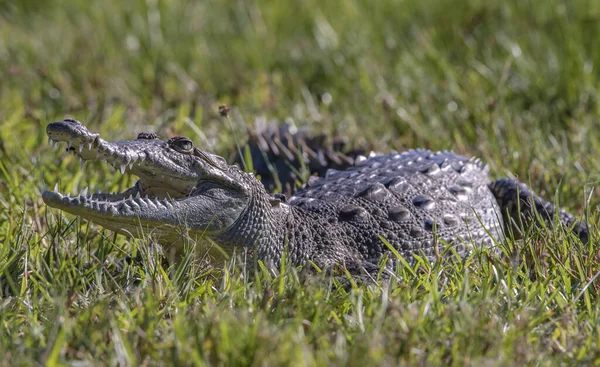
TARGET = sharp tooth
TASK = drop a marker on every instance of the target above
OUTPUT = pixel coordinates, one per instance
(54, 145)
(80, 147)
(84, 192)
(137, 196)
(68, 194)
(90, 145)
(130, 197)
(131, 165)
(56, 188)
(123, 168)
(70, 143)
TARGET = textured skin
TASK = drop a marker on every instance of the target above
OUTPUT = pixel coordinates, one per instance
(279, 154)
(415, 200)
(419, 201)
(522, 208)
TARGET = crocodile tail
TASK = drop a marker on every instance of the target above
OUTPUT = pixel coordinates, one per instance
(516, 198)
(284, 157)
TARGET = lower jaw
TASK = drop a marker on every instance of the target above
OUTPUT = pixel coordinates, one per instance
(162, 233)
(174, 240)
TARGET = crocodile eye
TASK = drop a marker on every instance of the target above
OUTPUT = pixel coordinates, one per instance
(181, 144)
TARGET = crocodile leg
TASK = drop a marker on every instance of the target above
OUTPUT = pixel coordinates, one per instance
(514, 196)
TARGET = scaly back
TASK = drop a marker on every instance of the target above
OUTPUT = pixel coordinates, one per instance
(412, 199)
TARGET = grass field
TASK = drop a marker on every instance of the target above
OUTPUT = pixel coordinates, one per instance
(513, 82)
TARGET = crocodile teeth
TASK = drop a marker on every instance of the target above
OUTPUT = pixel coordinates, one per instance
(84, 192)
(56, 188)
(90, 146)
(54, 145)
(80, 147)
(70, 143)
(138, 195)
(123, 165)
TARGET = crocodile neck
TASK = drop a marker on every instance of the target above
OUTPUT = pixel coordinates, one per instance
(261, 228)
(267, 228)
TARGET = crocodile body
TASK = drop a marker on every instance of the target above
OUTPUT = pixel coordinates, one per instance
(421, 202)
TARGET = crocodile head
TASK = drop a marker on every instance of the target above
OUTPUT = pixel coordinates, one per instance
(179, 185)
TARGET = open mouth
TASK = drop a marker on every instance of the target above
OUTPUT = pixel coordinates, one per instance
(162, 180)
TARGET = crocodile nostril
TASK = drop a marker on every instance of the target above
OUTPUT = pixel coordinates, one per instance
(145, 135)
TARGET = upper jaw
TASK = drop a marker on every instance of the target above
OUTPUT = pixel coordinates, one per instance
(71, 131)
(149, 159)
(90, 146)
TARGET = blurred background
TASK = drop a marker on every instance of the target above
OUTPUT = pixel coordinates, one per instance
(514, 82)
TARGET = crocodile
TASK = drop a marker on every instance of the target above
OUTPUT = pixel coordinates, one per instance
(280, 155)
(416, 202)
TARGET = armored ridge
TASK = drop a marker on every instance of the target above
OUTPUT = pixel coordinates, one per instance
(419, 201)
(280, 154)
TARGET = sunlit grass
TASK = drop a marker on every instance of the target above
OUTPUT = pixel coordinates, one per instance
(515, 83)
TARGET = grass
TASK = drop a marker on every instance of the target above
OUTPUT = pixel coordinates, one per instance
(514, 82)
